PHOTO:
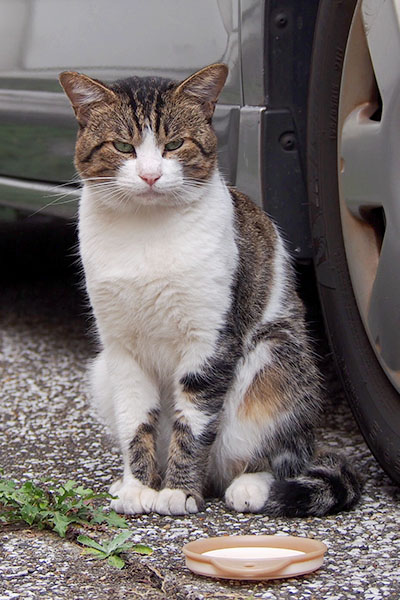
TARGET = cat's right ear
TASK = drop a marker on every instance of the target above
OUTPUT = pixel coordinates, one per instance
(83, 92)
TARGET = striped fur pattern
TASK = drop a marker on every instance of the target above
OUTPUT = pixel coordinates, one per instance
(206, 376)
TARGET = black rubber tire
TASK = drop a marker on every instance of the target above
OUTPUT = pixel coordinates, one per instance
(373, 399)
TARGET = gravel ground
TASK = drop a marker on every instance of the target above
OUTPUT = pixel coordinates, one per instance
(47, 430)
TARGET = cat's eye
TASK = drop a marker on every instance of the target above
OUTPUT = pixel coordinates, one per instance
(123, 147)
(174, 145)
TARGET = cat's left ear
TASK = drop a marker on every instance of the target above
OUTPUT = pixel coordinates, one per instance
(83, 92)
(205, 86)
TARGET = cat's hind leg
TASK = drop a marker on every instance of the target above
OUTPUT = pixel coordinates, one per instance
(239, 467)
(127, 400)
(266, 431)
(267, 438)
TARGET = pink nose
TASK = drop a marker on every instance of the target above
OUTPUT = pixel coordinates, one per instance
(150, 179)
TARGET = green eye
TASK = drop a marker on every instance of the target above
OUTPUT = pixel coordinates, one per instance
(123, 147)
(174, 145)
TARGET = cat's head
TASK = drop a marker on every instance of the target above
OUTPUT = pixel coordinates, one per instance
(145, 141)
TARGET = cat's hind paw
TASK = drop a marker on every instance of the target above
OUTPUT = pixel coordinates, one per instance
(177, 502)
(249, 492)
(132, 498)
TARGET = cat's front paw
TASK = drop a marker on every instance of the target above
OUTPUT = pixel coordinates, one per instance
(249, 492)
(132, 497)
(177, 502)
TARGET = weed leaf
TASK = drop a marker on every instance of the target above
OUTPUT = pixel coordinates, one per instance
(88, 541)
(60, 523)
(70, 485)
(29, 513)
(118, 541)
(116, 561)
(142, 549)
(114, 520)
(96, 553)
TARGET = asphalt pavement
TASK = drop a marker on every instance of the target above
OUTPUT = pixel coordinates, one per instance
(47, 430)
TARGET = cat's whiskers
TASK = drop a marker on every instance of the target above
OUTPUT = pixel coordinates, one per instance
(194, 185)
(111, 194)
(103, 178)
(113, 191)
(120, 192)
(59, 200)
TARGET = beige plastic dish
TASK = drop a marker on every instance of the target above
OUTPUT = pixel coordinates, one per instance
(254, 556)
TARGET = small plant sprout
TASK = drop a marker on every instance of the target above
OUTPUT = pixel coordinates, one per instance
(111, 550)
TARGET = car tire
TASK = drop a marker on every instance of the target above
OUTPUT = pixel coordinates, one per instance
(373, 397)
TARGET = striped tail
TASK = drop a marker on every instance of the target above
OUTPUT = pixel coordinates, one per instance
(328, 485)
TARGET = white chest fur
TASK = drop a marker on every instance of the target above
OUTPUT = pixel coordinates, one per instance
(159, 280)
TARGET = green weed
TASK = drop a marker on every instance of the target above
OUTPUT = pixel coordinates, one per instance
(62, 508)
(111, 550)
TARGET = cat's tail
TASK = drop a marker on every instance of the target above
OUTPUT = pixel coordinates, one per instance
(328, 485)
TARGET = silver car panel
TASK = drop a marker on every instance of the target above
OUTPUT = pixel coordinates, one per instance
(40, 38)
(252, 51)
(110, 40)
(248, 153)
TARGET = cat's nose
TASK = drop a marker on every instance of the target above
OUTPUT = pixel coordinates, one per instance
(150, 178)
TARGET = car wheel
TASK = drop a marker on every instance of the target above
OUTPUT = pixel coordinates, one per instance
(353, 156)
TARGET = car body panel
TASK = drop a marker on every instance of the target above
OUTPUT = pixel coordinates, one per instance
(111, 40)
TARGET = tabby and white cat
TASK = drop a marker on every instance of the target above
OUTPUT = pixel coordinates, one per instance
(206, 377)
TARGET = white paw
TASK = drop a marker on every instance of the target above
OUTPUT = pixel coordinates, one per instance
(175, 502)
(115, 487)
(249, 492)
(132, 497)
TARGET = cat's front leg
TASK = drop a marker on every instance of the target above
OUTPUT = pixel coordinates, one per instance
(183, 484)
(128, 401)
(194, 431)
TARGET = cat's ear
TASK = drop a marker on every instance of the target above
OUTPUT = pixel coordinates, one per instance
(205, 86)
(83, 92)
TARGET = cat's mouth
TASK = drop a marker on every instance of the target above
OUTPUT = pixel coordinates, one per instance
(154, 197)
(150, 193)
